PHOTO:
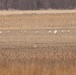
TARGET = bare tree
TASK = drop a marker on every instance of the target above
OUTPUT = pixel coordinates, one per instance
(37, 4)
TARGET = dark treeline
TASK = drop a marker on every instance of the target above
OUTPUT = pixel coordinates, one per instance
(37, 4)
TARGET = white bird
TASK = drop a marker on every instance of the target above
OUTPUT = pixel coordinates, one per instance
(55, 31)
(0, 32)
(25, 31)
(49, 31)
(8, 31)
(62, 30)
(68, 30)
(36, 32)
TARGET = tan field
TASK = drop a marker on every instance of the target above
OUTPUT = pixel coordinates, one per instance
(32, 61)
(37, 54)
(32, 20)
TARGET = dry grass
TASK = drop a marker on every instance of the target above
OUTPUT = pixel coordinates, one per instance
(35, 69)
(19, 12)
(37, 21)
(55, 60)
(38, 61)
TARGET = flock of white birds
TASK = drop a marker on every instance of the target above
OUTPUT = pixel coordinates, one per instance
(37, 32)
(55, 31)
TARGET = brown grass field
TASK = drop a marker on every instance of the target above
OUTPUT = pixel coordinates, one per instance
(13, 20)
(53, 60)
(40, 61)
